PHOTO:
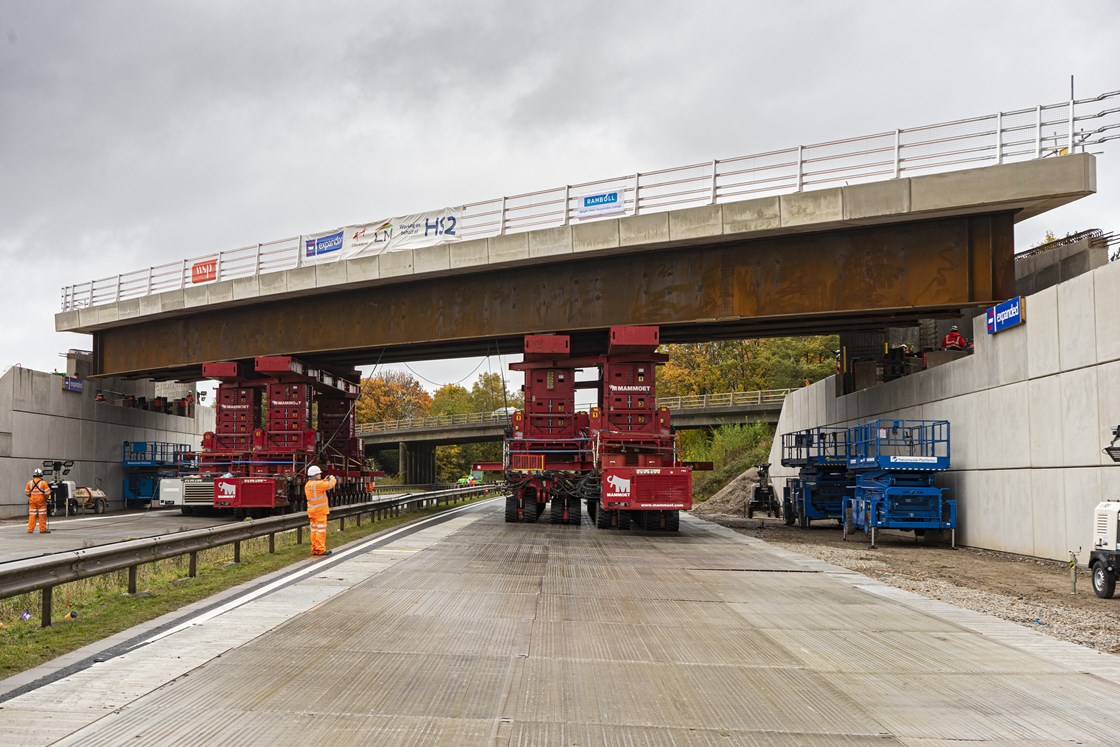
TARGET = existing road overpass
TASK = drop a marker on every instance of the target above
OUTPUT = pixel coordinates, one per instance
(417, 438)
(689, 412)
(771, 244)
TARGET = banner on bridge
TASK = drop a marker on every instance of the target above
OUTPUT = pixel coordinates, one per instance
(389, 235)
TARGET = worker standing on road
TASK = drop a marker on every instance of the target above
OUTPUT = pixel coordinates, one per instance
(318, 508)
(954, 340)
(37, 494)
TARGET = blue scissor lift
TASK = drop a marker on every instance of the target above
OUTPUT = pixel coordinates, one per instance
(145, 463)
(818, 492)
(895, 463)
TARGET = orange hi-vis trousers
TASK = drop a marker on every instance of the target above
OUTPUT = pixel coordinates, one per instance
(37, 511)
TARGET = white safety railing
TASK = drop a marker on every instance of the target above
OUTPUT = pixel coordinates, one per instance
(1004, 137)
(691, 401)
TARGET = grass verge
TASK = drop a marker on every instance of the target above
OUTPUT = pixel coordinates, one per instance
(93, 609)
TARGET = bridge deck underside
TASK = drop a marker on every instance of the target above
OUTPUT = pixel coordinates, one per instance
(545, 634)
(859, 278)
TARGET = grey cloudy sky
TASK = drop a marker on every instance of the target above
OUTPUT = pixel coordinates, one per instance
(136, 133)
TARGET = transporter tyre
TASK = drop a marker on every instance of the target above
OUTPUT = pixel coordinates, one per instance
(1104, 583)
(624, 519)
(556, 511)
(672, 521)
(602, 518)
(575, 512)
(511, 509)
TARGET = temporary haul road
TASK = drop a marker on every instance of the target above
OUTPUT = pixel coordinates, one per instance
(465, 630)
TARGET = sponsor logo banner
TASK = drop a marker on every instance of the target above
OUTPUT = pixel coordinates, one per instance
(204, 271)
(1010, 313)
(404, 232)
(317, 245)
(598, 204)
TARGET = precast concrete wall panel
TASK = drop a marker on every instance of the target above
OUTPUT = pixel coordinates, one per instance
(42, 421)
(1031, 411)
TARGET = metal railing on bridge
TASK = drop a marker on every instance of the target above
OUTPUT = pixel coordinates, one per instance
(691, 401)
(1003, 137)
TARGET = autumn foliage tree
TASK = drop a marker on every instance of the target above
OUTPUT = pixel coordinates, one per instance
(391, 395)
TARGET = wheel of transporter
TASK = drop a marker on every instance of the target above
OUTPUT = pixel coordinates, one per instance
(672, 521)
(624, 519)
(602, 518)
(511, 509)
(1104, 583)
(533, 512)
(575, 512)
(556, 510)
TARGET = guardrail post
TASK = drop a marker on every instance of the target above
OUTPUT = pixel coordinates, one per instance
(192, 565)
(148, 292)
(1069, 152)
(567, 200)
(257, 262)
(45, 607)
(999, 138)
(502, 219)
(1038, 131)
(118, 295)
(715, 173)
(897, 153)
(272, 543)
(637, 179)
(342, 523)
(132, 580)
(218, 268)
(183, 276)
(800, 167)
(299, 535)
(237, 551)
(299, 250)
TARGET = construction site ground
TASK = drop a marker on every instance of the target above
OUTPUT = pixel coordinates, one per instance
(1033, 592)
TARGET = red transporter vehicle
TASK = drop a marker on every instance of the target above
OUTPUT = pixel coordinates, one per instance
(635, 452)
(255, 461)
(621, 458)
(547, 456)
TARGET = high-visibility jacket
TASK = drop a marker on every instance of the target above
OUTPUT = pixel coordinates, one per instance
(316, 493)
(954, 340)
(37, 486)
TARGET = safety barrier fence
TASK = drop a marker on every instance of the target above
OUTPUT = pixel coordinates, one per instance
(43, 573)
(435, 422)
(1003, 137)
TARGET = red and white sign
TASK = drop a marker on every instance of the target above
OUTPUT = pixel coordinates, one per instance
(204, 271)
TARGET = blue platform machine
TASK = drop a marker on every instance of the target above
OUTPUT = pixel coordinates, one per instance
(895, 463)
(145, 463)
(822, 483)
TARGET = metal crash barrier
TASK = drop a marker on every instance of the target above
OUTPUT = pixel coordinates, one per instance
(46, 572)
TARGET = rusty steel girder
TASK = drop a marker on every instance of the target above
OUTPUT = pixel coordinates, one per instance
(855, 278)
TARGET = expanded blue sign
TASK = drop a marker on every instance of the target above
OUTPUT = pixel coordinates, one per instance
(73, 384)
(1010, 313)
(324, 244)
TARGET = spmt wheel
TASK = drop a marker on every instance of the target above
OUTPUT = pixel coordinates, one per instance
(511, 509)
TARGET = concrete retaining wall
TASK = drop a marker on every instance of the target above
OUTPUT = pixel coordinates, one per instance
(1030, 414)
(38, 420)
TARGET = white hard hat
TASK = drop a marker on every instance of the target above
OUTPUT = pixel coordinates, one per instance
(313, 471)
(953, 328)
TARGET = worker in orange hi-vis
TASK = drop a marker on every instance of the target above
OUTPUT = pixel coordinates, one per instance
(318, 508)
(37, 494)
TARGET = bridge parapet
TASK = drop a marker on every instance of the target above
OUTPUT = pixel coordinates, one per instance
(1000, 138)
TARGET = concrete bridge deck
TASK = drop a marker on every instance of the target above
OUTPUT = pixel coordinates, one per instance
(469, 631)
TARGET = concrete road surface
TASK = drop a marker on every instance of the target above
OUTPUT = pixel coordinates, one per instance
(464, 630)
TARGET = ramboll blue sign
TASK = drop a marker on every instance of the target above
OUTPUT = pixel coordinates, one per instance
(602, 203)
(1010, 313)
